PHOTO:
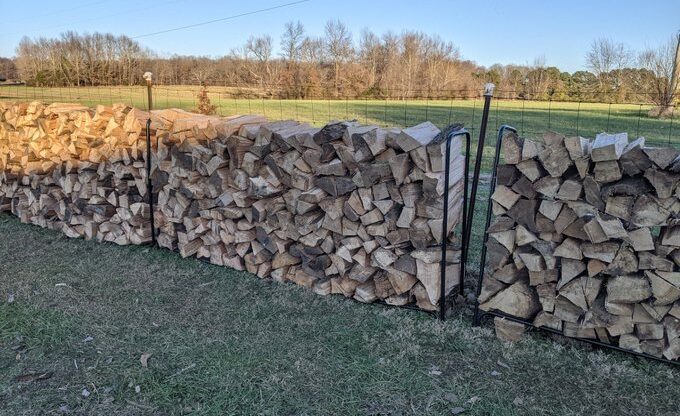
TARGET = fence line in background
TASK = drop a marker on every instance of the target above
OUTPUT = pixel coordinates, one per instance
(531, 116)
(317, 91)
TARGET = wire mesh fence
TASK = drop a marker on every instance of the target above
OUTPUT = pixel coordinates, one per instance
(530, 117)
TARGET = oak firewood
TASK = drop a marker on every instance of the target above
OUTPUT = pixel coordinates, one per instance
(517, 300)
(634, 160)
(628, 289)
(607, 171)
(661, 156)
(512, 148)
(531, 169)
(547, 186)
(647, 212)
(608, 146)
(578, 147)
(663, 182)
(555, 159)
(570, 190)
(506, 175)
(416, 136)
(345, 209)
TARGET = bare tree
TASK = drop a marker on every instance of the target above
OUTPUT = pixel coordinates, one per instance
(664, 65)
(437, 54)
(390, 63)
(338, 43)
(370, 55)
(261, 49)
(73, 59)
(291, 51)
(8, 70)
(605, 57)
(312, 50)
(412, 51)
(537, 78)
(291, 41)
(409, 64)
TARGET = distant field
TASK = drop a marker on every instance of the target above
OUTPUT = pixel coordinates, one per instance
(532, 118)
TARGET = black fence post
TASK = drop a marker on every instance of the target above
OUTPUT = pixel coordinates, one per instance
(522, 122)
(149, 185)
(670, 128)
(488, 93)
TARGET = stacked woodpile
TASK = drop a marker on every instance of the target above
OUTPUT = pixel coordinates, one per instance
(345, 209)
(348, 209)
(75, 169)
(586, 240)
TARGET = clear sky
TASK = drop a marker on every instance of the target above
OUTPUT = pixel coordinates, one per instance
(485, 31)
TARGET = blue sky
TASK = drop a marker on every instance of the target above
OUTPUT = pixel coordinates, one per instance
(485, 31)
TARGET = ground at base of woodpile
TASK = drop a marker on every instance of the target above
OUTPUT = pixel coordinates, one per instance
(89, 328)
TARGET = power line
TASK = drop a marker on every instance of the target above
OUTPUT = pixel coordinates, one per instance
(219, 20)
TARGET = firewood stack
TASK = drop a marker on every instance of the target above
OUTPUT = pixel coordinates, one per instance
(345, 209)
(74, 169)
(586, 240)
(348, 209)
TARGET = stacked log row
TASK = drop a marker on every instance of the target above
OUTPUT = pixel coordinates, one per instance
(344, 209)
(74, 169)
(348, 209)
(586, 240)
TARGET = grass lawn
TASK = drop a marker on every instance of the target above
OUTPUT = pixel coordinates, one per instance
(531, 118)
(225, 342)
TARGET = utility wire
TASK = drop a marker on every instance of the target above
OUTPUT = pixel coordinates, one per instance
(219, 20)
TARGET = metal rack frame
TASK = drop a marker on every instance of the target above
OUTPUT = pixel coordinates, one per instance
(465, 232)
(479, 315)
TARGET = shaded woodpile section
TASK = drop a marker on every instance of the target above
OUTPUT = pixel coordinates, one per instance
(586, 240)
(75, 169)
(344, 209)
(347, 209)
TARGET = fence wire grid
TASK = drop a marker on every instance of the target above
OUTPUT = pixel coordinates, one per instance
(531, 117)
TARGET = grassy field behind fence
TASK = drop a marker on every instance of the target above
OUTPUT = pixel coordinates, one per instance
(531, 118)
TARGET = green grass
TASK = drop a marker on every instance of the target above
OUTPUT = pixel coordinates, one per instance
(531, 118)
(226, 342)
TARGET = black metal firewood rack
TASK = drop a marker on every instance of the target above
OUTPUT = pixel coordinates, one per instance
(456, 131)
(479, 315)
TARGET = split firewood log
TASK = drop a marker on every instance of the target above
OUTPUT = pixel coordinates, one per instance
(594, 250)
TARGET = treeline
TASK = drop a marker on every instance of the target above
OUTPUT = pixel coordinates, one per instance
(81, 60)
(335, 65)
(549, 83)
(405, 65)
(8, 70)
